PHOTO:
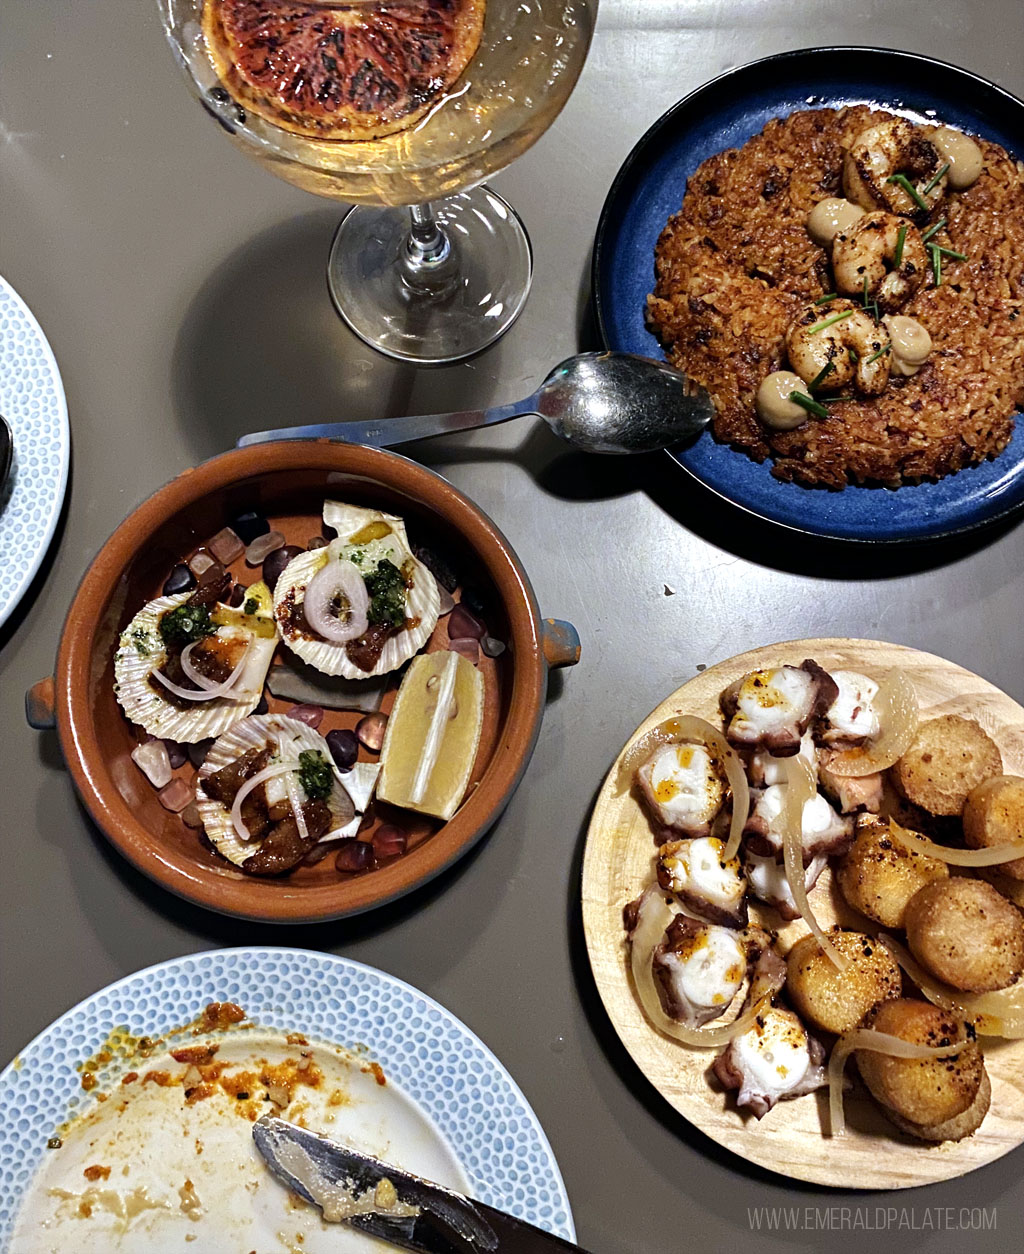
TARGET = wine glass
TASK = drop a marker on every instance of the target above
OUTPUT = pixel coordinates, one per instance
(429, 265)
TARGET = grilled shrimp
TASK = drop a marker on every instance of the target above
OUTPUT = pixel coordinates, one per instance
(893, 148)
(844, 339)
(864, 260)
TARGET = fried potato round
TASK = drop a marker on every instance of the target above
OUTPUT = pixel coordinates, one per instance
(966, 933)
(994, 815)
(1011, 889)
(838, 1000)
(959, 1126)
(949, 758)
(921, 1091)
(878, 876)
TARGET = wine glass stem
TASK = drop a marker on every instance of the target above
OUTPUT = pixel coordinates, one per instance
(428, 263)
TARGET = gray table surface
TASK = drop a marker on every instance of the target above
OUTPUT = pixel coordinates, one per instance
(182, 290)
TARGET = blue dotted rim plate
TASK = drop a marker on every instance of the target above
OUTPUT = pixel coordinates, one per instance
(649, 187)
(439, 1063)
(32, 400)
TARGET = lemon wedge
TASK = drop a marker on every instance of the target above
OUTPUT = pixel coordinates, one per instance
(432, 735)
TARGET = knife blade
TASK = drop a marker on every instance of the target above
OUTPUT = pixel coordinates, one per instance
(410, 1212)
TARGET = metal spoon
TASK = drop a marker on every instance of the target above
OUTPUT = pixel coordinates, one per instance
(600, 402)
(6, 451)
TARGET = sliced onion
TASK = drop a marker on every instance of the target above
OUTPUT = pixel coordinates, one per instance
(688, 728)
(800, 787)
(204, 681)
(337, 578)
(898, 716)
(261, 777)
(295, 801)
(654, 916)
(992, 855)
(207, 693)
(878, 1043)
(994, 1014)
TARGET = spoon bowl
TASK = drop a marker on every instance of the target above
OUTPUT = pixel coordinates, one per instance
(620, 403)
(599, 402)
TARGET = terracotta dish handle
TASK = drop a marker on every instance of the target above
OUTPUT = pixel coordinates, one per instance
(40, 707)
(560, 642)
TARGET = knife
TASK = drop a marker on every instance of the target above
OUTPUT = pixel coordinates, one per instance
(390, 1203)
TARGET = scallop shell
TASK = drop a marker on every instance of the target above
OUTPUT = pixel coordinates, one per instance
(423, 600)
(141, 651)
(291, 738)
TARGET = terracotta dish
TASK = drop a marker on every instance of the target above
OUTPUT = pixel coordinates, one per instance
(287, 482)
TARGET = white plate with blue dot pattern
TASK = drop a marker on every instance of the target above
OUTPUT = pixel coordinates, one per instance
(453, 1085)
(32, 401)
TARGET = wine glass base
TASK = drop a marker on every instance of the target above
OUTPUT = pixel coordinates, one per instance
(479, 292)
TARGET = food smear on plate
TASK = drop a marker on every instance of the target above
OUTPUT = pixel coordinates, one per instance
(340, 71)
(159, 1156)
(268, 751)
(849, 287)
(918, 821)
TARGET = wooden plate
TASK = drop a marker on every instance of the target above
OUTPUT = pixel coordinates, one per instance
(791, 1139)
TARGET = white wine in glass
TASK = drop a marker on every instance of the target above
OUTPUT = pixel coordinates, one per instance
(390, 103)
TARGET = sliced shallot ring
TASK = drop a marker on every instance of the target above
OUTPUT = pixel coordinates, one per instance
(898, 716)
(196, 675)
(650, 929)
(261, 777)
(878, 1043)
(332, 578)
(800, 787)
(991, 855)
(1000, 1013)
(204, 694)
(295, 801)
(681, 729)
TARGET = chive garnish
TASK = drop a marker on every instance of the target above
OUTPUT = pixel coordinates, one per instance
(936, 263)
(825, 299)
(831, 400)
(936, 178)
(875, 356)
(854, 355)
(901, 239)
(808, 403)
(932, 230)
(821, 376)
(820, 326)
(948, 252)
(909, 188)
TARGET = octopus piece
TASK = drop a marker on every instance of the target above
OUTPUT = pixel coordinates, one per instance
(698, 969)
(764, 769)
(839, 346)
(773, 1061)
(766, 876)
(771, 709)
(851, 794)
(851, 719)
(880, 158)
(823, 832)
(881, 258)
(683, 788)
(694, 872)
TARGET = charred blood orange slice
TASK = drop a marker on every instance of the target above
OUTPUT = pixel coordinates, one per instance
(341, 71)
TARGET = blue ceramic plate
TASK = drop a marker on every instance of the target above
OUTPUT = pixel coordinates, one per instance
(32, 401)
(459, 1086)
(725, 113)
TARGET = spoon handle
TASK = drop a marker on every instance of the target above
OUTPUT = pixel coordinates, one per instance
(386, 432)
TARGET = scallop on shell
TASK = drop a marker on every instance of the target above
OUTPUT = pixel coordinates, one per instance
(290, 738)
(423, 600)
(141, 651)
